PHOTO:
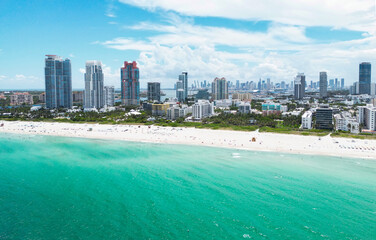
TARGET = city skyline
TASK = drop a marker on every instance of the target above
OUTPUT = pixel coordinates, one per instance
(164, 38)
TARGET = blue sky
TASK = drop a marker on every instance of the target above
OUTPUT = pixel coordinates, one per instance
(244, 40)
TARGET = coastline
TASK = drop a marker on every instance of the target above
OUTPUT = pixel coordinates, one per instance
(270, 142)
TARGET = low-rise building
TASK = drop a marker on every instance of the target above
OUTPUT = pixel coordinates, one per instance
(242, 96)
(345, 122)
(159, 109)
(223, 103)
(271, 108)
(176, 111)
(202, 109)
(42, 97)
(244, 108)
(78, 96)
(21, 98)
(307, 120)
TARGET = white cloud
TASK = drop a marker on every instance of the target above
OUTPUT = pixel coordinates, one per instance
(207, 52)
(349, 14)
(127, 44)
(110, 11)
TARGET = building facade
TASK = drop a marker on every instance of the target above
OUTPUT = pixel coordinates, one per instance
(365, 78)
(299, 86)
(78, 96)
(58, 82)
(324, 117)
(307, 120)
(93, 96)
(367, 117)
(176, 112)
(183, 77)
(202, 109)
(244, 108)
(323, 85)
(220, 89)
(242, 96)
(154, 91)
(109, 96)
(21, 98)
(130, 84)
(345, 122)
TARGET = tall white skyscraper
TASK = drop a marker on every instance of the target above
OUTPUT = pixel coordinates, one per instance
(109, 96)
(94, 97)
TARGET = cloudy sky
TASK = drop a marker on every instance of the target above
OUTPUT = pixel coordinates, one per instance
(238, 39)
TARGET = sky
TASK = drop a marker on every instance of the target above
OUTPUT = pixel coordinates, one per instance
(239, 39)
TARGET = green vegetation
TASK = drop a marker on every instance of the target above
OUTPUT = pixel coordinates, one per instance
(351, 135)
(225, 121)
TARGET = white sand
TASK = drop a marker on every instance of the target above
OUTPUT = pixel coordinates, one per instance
(287, 143)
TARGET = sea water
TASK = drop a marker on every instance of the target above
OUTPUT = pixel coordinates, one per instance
(72, 188)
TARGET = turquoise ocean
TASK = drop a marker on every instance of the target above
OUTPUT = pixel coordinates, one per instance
(72, 188)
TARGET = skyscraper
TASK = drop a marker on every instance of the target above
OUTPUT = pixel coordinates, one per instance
(331, 84)
(323, 85)
(109, 96)
(93, 96)
(342, 83)
(365, 78)
(130, 85)
(220, 89)
(299, 86)
(183, 77)
(58, 82)
(154, 91)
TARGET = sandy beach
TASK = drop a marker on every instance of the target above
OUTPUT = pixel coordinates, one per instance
(286, 143)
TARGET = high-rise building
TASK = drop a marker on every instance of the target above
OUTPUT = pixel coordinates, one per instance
(109, 96)
(180, 91)
(154, 91)
(283, 85)
(130, 85)
(365, 78)
(331, 84)
(93, 96)
(220, 89)
(299, 86)
(324, 117)
(323, 85)
(367, 117)
(58, 81)
(342, 83)
(183, 77)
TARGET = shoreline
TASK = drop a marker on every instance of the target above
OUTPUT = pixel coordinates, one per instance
(268, 142)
